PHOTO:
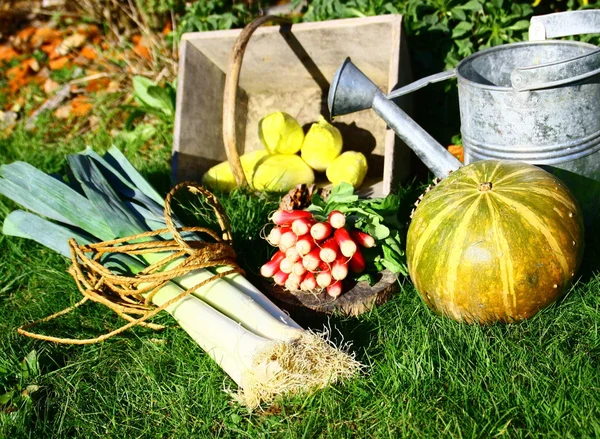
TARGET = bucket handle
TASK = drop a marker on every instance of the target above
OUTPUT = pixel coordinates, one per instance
(560, 24)
(556, 73)
(414, 86)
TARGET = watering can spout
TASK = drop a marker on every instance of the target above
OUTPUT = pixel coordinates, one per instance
(351, 90)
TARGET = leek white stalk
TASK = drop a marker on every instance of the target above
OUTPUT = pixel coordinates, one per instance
(227, 297)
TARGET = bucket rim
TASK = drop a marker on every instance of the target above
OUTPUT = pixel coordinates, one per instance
(502, 47)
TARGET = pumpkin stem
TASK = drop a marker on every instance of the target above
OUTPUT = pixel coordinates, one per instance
(484, 187)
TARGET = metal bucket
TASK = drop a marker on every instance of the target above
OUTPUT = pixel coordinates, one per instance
(553, 125)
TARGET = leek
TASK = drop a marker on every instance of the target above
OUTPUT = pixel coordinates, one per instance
(259, 346)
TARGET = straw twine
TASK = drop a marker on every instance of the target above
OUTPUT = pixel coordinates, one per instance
(131, 296)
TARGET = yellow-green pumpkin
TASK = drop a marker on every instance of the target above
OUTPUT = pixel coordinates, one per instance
(495, 241)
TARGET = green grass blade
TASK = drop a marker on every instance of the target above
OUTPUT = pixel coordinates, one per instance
(51, 198)
(99, 192)
(54, 236)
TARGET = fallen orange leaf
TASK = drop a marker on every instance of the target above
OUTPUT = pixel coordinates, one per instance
(58, 63)
(7, 53)
(97, 84)
(89, 30)
(24, 34)
(142, 51)
(18, 71)
(44, 35)
(167, 29)
(50, 49)
(80, 106)
(32, 63)
(88, 52)
(457, 151)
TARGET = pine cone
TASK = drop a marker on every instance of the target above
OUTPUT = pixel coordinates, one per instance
(300, 196)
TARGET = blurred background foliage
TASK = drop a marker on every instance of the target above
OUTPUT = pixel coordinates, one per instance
(439, 32)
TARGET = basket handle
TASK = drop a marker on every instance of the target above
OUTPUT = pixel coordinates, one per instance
(230, 94)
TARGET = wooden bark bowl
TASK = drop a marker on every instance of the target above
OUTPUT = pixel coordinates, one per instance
(359, 299)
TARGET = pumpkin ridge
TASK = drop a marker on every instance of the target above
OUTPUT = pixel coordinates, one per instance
(544, 192)
(514, 174)
(433, 197)
(433, 225)
(539, 225)
(473, 175)
(490, 178)
(454, 256)
(506, 267)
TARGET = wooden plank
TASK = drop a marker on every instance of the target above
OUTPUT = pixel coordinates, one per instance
(198, 141)
(272, 52)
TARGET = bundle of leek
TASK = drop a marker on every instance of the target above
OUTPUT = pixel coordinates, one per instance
(259, 346)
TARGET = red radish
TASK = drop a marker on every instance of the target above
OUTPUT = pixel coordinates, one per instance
(320, 231)
(335, 289)
(293, 281)
(357, 262)
(337, 219)
(347, 246)
(304, 245)
(362, 238)
(274, 236)
(311, 260)
(329, 251)
(302, 226)
(292, 254)
(286, 265)
(339, 269)
(280, 277)
(298, 269)
(309, 283)
(323, 279)
(272, 267)
(288, 239)
(287, 217)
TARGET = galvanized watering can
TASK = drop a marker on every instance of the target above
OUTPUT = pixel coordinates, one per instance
(536, 102)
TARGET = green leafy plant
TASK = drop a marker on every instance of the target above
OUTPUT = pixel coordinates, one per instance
(17, 381)
(376, 216)
(152, 99)
(215, 15)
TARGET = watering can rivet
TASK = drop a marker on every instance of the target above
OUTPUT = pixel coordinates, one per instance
(517, 79)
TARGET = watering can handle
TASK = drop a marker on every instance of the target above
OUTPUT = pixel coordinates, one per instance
(559, 73)
(564, 24)
(413, 86)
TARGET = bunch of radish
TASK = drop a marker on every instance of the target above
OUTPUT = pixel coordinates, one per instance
(314, 255)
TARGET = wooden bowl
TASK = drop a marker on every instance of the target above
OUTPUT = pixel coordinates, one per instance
(360, 298)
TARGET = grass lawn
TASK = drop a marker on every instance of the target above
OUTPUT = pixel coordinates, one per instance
(426, 376)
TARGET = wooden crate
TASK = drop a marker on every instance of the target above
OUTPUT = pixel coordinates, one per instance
(289, 68)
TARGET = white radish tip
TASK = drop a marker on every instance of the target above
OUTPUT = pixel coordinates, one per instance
(337, 219)
(327, 255)
(348, 248)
